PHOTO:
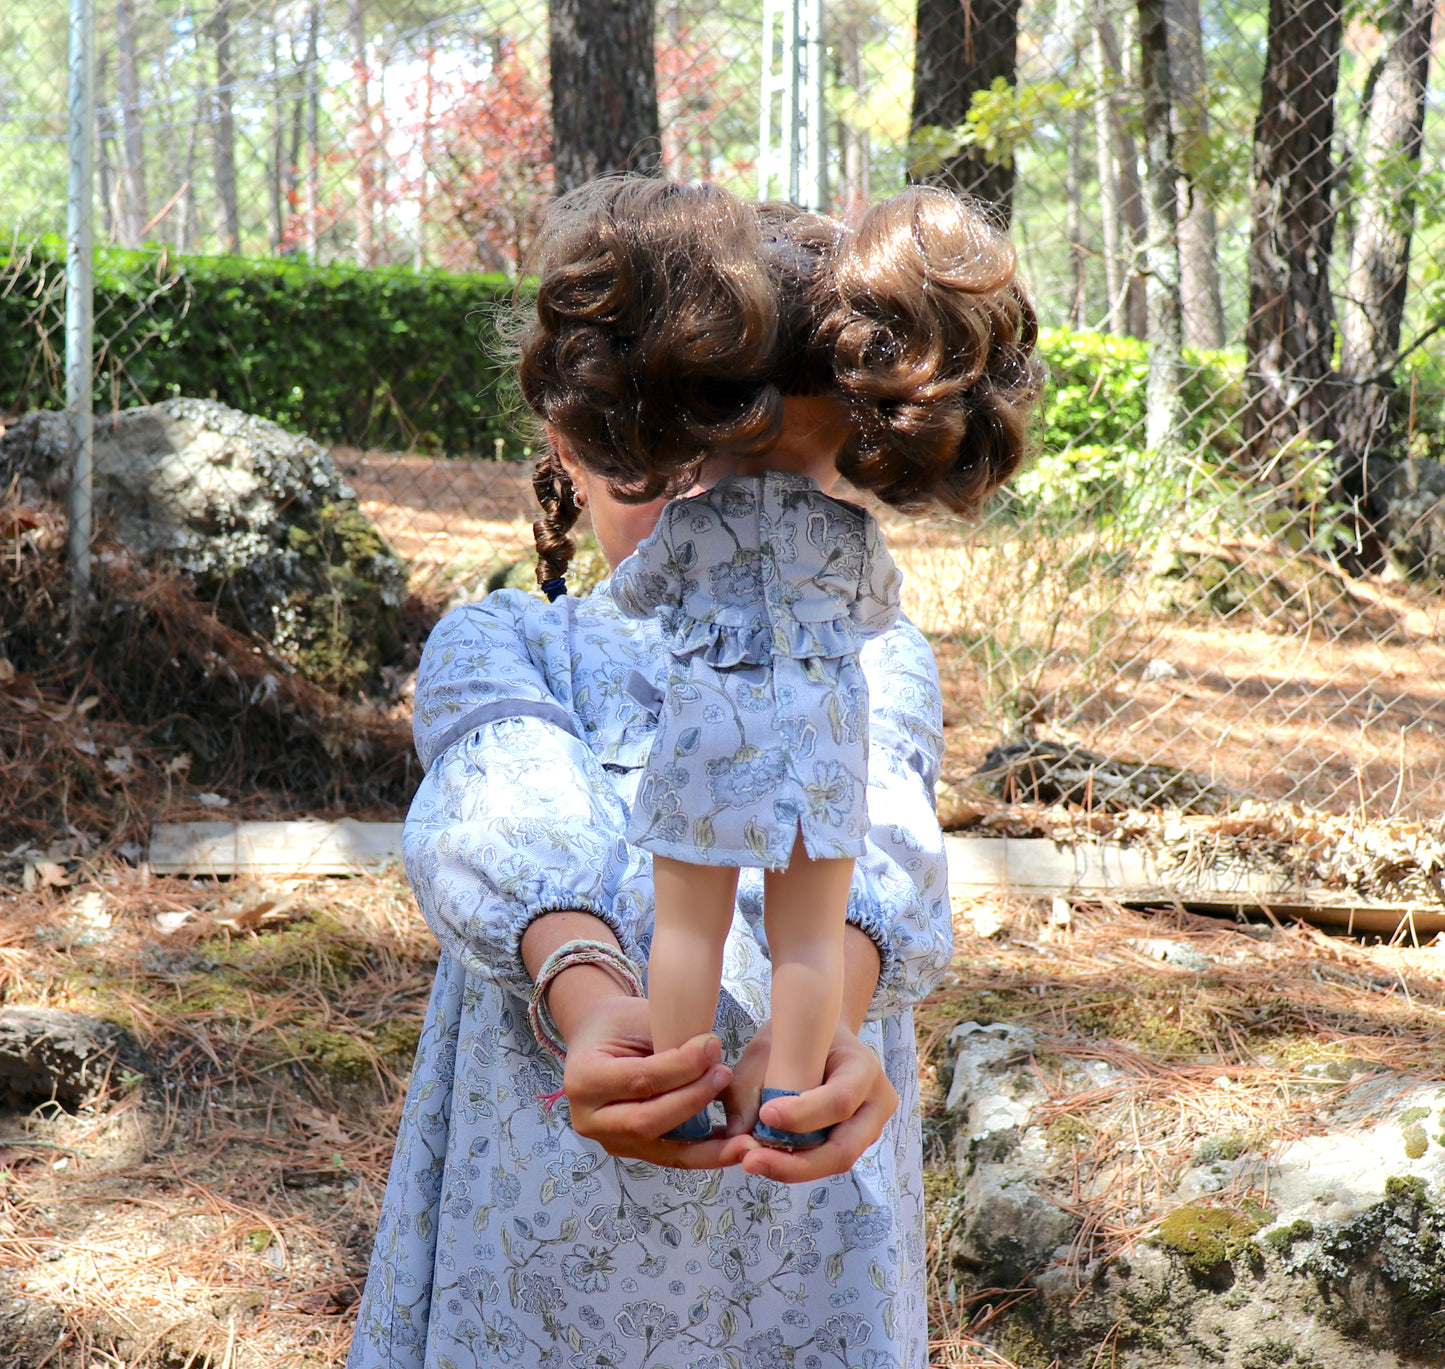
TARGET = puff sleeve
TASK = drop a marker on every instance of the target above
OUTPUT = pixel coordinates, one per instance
(515, 816)
(876, 607)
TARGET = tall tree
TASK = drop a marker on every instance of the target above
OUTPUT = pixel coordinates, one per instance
(1121, 202)
(224, 133)
(963, 47)
(604, 89)
(1371, 313)
(131, 220)
(365, 138)
(1164, 405)
(1198, 232)
(1289, 335)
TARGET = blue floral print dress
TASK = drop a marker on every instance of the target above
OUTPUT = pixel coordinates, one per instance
(505, 1238)
(763, 586)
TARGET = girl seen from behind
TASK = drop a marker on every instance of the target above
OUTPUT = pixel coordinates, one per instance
(675, 326)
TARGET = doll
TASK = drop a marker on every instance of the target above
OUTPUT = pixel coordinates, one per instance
(674, 327)
(764, 586)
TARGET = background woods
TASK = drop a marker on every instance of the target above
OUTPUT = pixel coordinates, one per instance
(1229, 211)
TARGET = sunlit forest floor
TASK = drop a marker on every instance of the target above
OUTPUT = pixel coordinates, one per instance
(1286, 680)
(217, 1210)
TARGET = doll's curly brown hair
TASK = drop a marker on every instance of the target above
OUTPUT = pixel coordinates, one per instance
(930, 335)
(656, 323)
(672, 319)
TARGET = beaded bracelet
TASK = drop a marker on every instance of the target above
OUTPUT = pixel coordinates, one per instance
(568, 956)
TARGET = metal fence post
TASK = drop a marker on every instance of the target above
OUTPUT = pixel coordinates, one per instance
(79, 310)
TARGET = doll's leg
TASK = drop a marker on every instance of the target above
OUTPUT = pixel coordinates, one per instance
(805, 911)
(684, 967)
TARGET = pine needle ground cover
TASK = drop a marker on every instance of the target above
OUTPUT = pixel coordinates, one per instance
(218, 1208)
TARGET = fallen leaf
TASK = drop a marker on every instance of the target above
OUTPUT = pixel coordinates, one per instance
(251, 915)
(7, 671)
(327, 1126)
(15, 521)
(166, 923)
(50, 875)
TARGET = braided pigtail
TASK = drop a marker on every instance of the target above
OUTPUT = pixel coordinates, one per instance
(932, 339)
(555, 547)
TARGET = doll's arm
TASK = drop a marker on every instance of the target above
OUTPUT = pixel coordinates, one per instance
(646, 580)
(515, 817)
(875, 610)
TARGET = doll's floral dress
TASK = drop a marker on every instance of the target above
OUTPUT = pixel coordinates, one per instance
(764, 588)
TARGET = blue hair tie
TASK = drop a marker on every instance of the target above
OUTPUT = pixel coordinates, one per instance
(554, 589)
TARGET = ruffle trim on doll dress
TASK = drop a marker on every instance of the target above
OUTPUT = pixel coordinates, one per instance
(726, 646)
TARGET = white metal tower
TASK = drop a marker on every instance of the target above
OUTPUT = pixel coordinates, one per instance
(791, 162)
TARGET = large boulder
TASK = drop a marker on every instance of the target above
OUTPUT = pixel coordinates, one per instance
(259, 520)
(1335, 1255)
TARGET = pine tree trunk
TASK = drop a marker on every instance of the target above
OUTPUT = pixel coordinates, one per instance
(1123, 201)
(1289, 336)
(1379, 256)
(313, 135)
(104, 146)
(1078, 257)
(225, 130)
(963, 46)
(1198, 235)
(365, 140)
(604, 89)
(1131, 189)
(1110, 208)
(1163, 405)
(133, 212)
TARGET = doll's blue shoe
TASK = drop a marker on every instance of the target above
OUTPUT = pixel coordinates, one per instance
(779, 1139)
(698, 1127)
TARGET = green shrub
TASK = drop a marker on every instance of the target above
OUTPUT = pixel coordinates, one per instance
(1096, 393)
(1092, 465)
(392, 359)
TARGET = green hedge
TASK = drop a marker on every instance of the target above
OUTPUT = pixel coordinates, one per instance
(386, 359)
(405, 359)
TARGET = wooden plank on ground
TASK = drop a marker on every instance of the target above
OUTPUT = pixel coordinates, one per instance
(306, 847)
(1028, 867)
(1035, 867)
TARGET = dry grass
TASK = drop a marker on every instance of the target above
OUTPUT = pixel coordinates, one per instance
(222, 1212)
(1308, 685)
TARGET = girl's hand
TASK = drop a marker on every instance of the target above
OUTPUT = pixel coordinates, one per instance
(855, 1099)
(624, 1097)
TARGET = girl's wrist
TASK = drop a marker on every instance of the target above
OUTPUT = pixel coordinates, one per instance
(576, 964)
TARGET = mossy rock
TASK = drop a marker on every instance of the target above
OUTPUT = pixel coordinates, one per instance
(1206, 1237)
(257, 519)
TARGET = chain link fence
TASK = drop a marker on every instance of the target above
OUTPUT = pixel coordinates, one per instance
(1228, 556)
